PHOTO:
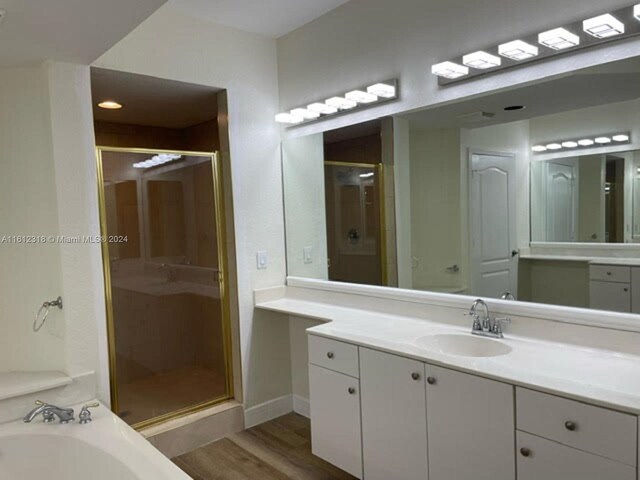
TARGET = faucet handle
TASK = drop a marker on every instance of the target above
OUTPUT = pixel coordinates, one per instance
(85, 413)
(498, 323)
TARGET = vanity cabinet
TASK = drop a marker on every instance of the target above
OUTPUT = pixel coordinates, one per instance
(470, 425)
(635, 290)
(610, 287)
(394, 424)
(335, 404)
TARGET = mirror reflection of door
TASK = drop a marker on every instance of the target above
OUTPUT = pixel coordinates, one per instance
(354, 216)
(561, 202)
(492, 221)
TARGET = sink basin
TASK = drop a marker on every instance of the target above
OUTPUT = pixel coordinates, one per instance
(463, 345)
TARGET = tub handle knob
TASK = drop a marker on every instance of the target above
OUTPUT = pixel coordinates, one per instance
(85, 413)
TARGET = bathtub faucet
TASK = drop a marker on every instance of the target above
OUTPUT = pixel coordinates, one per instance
(49, 413)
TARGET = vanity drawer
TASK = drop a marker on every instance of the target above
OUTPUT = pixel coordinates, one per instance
(610, 273)
(337, 356)
(593, 429)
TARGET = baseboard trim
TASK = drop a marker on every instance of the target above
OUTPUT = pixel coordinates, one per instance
(301, 406)
(268, 411)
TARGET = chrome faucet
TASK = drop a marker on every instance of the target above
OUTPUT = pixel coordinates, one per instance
(483, 324)
(49, 413)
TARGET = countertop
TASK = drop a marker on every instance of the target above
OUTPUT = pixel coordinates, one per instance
(632, 262)
(596, 376)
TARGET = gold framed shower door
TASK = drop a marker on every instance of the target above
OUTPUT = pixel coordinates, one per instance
(223, 281)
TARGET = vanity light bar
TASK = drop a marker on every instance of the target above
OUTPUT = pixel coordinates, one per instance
(610, 26)
(356, 99)
(590, 142)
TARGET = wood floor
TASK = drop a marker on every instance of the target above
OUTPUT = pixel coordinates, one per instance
(276, 450)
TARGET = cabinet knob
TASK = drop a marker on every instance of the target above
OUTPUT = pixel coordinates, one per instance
(329, 354)
(626, 289)
(415, 376)
(351, 390)
(569, 425)
(431, 380)
(525, 452)
(609, 273)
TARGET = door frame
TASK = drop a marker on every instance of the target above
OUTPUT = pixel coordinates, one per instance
(223, 281)
(473, 281)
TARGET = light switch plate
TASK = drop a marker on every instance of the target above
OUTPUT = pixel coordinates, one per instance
(261, 259)
(307, 254)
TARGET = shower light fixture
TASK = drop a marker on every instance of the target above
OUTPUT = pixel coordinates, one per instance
(518, 50)
(558, 39)
(360, 96)
(449, 70)
(367, 175)
(110, 105)
(355, 99)
(383, 90)
(156, 160)
(481, 60)
(603, 26)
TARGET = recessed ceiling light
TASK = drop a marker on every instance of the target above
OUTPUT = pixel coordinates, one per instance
(383, 90)
(554, 146)
(449, 70)
(621, 138)
(513, 108)
(359, 96)
(340, 103)
(539, 148)
(304, 113)
(570, 144)
(288, 118)
(558, 39)
(518, 50)
(481, 60)
(603, 26)
(322, 108)
(603, 140)
(110, 105)
(585, 142)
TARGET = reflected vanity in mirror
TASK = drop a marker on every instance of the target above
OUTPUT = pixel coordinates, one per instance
(482, 197)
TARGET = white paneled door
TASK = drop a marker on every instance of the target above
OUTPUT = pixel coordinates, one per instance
(492, 209)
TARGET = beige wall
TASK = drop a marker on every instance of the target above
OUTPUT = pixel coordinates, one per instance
(553, 282)
(30, 273)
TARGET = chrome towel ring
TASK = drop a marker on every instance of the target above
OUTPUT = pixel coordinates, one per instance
(43, 313)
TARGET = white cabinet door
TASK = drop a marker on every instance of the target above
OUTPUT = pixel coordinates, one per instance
(610, 296)
(543, 459)
(470, 424)
(394, 423)
(335, 419)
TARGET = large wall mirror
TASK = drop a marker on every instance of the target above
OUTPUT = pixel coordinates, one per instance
(531, 193)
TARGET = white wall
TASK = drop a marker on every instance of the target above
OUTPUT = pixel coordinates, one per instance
(29, 273)
(175, 46)
(402, 179)
(372, 40)
(304, 193)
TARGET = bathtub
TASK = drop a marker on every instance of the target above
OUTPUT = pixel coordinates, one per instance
(105, 449)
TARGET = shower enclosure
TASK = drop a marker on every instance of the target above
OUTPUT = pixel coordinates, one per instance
(164, 260)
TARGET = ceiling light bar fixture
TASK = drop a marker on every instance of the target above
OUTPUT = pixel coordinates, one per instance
(350, 101)
(615, 25)
(157, 160)
(583, 142)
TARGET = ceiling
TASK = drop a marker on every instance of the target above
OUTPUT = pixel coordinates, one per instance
(76, 31)
(151, 101)
(612, 83)
(273, 18)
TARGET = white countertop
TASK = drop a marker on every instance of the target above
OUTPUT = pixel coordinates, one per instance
(632, 262)
(601, 377)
